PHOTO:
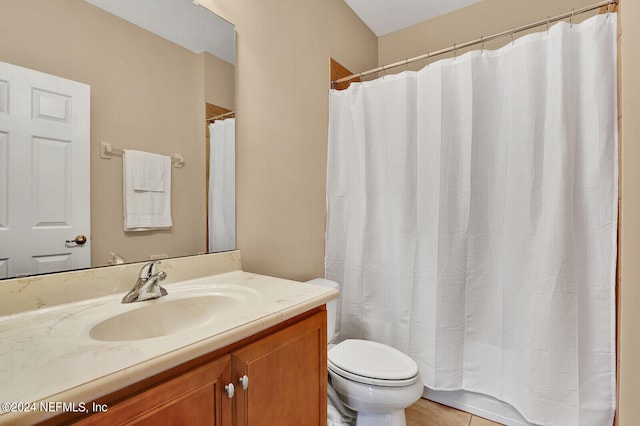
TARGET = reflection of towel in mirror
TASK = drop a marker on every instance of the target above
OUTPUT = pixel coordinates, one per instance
(147, 190)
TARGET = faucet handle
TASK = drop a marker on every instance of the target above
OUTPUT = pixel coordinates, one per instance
(148, 269)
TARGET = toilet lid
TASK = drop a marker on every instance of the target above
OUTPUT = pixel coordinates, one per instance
(372, 360)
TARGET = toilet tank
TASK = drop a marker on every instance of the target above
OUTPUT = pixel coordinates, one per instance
(332, 307)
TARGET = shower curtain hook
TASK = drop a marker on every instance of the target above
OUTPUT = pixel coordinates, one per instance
(548, 19)
(333, 84)
(512, 33)
(482, 44)
(608, 6)
(571, 18)
(455, 51)
(406, 64)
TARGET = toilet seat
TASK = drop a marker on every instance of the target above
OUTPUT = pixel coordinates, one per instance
(371, 380)
(372, 363)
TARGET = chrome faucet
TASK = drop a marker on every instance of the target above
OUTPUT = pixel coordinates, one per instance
(148, 285)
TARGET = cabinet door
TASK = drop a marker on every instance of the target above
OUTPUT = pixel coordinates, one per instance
(193, 398)
(287, 376)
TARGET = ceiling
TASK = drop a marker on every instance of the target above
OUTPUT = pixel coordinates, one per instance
(193, 27)
(386, 16)
(183, 22)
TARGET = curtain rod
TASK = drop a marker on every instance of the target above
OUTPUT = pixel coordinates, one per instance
(217, 117)
(455, 47)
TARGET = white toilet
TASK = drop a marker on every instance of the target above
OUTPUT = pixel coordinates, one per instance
(375, 380)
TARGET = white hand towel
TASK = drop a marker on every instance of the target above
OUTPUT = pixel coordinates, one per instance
(149, 206)
(147, 170)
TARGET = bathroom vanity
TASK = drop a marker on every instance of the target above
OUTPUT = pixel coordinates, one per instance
(276, 376)
(226, 348)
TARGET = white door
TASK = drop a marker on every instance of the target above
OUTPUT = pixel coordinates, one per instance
(44, 172)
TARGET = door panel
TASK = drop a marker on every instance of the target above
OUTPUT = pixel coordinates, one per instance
(44, 172)
(4, 177)
(53, 263)
(51, 192)
(194, 398)
(284, 370)
(51, 106)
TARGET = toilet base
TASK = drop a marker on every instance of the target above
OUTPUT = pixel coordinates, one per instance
(376, 405)
(396, 418)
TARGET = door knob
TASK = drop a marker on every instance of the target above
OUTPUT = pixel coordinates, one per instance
(79, 240)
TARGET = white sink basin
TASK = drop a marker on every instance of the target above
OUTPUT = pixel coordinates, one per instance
(161, 319)
(178, 311)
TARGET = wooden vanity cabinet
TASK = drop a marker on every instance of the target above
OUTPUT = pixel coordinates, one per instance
(284, 370)
(196, 397)
(287, 377)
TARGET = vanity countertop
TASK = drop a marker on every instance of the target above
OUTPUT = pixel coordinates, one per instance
(48, 358)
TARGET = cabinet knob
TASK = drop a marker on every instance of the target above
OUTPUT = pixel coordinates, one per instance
(244, 381)
(230, 390)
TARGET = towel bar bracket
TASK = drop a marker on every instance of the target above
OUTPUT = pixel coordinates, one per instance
(107, 152)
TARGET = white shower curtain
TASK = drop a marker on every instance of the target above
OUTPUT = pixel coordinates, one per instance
(472, 217)
(222, 185)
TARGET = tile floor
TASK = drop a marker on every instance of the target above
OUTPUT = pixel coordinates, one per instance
(428, 413)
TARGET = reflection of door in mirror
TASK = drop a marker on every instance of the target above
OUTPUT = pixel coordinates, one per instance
(220, 178)
(44, 164)
(148, 92)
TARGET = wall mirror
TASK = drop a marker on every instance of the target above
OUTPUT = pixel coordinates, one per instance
(153, 68)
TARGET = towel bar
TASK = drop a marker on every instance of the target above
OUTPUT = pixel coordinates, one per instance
(107, 152)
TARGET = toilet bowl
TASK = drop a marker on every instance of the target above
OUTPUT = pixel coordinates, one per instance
(374, 380)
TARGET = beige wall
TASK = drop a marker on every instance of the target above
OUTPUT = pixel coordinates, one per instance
(146, 94)
(219, 81)
(351, 43)
(282, 80)
(480, 19)
(629, 273)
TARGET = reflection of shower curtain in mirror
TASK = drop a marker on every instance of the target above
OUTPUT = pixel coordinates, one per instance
(222, 183)
(472, 216)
